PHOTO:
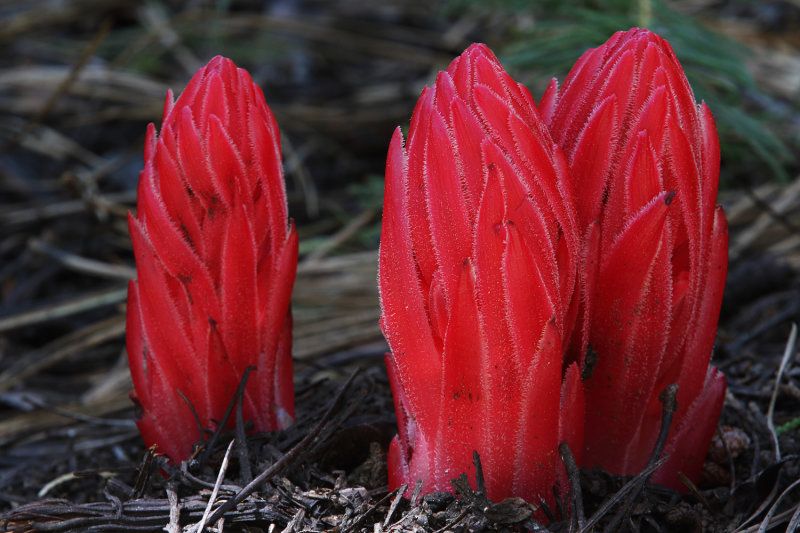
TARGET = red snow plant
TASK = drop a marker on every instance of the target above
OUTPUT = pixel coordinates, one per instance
(645, 158)
(477, 272)
(215, 260)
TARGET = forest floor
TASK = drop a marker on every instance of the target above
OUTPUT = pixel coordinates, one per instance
(339, 80)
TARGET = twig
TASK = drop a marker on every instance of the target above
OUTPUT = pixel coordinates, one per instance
(80, 417)
(776, 211)
(787, 355)
(47, 487)
(454, 521)
(287, 458)
(241, 443)
(395, 502)
(480, 481)
(777, 520)
(766, 522)
(545, 508)
(794, 523)
(238, 395)
(575, 486)
(221, 476)
(620, 494)
(32, 425)
(417, 492)
(367, 261)
(72, 307)
(191, 479)
(669, 403)
(296, 522)
(197, 421)
(143, 473)
(363, 516)
(82, 264)
(115, 501)
(695, 491)
(764, 504)
(341, 236)
(42, 213)
(154, 18)
(174, 509)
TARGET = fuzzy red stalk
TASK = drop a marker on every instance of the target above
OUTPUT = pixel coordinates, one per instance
(645, 160)
(477, 274)
(215, 262)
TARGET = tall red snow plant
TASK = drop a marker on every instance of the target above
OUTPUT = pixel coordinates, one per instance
(215, 261)
(477, 273)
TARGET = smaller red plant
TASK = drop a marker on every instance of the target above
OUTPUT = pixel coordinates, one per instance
(645, 158)
(215, 262)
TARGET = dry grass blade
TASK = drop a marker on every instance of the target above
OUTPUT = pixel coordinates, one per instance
(335, 305)
(577, 515)
(341, 236)
(83, 265)
(621, 494)
(115, 86)
(787, 355)
(18, 216)
(31, 423)
(159, 26)
(200, 527)
(781, 206)
(768, 519)
(764, 221)
(71, 307)
(794, 523)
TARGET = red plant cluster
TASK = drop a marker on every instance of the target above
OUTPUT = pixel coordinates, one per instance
(215, 263)
(545, 271)
(517, 239)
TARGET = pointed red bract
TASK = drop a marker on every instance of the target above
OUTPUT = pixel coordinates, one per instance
(654, 265)
(477, 275)
(215, 261)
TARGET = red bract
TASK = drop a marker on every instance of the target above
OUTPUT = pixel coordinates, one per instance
(477, 273)
(645, 160)
(215, 261)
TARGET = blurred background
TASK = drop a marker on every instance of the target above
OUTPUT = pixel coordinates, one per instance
(80, 80)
